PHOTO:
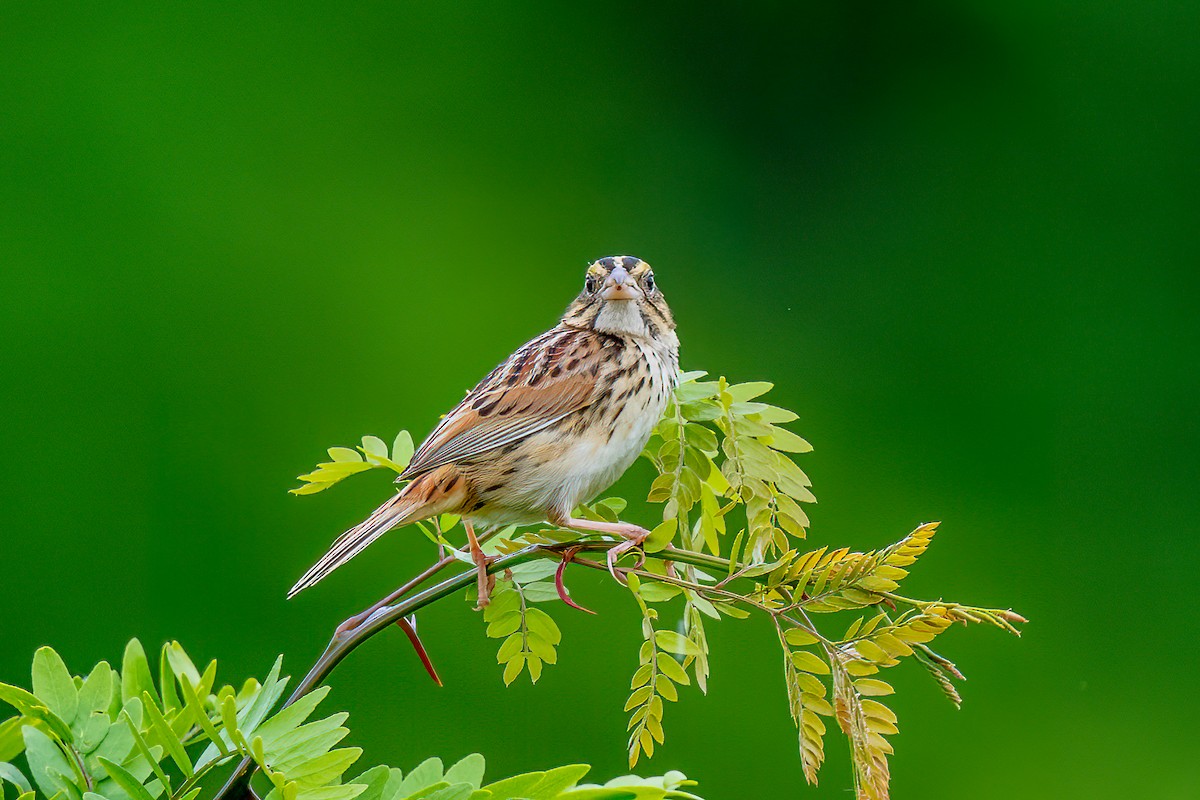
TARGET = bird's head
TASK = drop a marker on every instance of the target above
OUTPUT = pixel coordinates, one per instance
(620, 296)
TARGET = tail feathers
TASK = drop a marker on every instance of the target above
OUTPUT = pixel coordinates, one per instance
(395, 511)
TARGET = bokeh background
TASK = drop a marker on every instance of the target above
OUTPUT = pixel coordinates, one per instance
(961, 238)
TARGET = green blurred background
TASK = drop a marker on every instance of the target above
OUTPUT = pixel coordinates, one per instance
(960, 237)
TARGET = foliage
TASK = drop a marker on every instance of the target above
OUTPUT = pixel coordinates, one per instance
(530, 635)
(345, 461)
(729, 545)
(123, 735)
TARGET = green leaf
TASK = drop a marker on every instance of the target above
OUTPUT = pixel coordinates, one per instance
(52, 683)
(181, 664)
(135, 673)
(869, 687)
(702, 411)
(325, 769)
(427, 773)
(702, 438)
(615, 504)
(799, 637)
(541, 648)
(540, 592)
(742, 392)
(460, 791)
(513, 668)
(167, 737)
(32, 707)
(677, 643)
(518, 786)
(344, 454)
(533, 571)
(116, 746)
(200, 714)
(467, 770)
(504, 625)
(12, 743)
(655, 592)
(661, 536)
(783, 439)
(334, 471)
(96, 694)
(151, 755)
(402, 448)
(123, 778)
(541, 623)
(47, 764)
(291, 717)
(691, 392)
(335, 792)
(672, 669)
(13, 775)
(512, 645)
(252, 715)
(375, 446)
(556, 780)
(375, 782)
(774, 415)
(308, 741)
(660, 489)
(804, 660)
(311, 488)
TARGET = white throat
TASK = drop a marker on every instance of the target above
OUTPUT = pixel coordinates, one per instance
(621, 316)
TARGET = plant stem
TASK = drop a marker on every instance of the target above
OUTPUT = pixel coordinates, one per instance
(384, 613)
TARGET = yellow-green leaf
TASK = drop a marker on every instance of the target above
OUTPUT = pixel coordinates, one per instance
(804, 660)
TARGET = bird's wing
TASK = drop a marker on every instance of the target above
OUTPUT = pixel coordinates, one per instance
(548, 379)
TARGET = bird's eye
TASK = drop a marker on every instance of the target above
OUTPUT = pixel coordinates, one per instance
(591, 284)
(648, 282)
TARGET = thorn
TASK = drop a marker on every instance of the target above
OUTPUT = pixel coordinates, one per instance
(409, 626)
(568, 556)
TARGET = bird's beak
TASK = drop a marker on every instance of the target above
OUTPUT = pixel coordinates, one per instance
(619, 286)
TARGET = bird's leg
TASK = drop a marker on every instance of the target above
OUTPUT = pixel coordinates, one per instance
(486, 581)
(633, 535)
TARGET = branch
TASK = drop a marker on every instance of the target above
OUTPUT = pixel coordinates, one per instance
(387, 612)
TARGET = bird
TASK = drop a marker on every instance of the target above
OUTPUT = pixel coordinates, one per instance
(550, 428)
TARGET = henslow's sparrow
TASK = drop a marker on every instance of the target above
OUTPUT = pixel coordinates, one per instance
(550, 428)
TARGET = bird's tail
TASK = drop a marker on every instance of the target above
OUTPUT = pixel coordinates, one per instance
(428, 495)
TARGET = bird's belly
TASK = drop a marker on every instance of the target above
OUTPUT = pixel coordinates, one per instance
(572, 464)
(556, 469)
(593, 462)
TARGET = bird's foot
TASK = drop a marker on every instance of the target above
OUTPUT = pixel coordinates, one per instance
(484, 581)
(634, 536)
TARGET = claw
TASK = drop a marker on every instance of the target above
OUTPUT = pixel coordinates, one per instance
(484, 583)
(409, 626)
(561, 587)
(630, 543)
(615, 553)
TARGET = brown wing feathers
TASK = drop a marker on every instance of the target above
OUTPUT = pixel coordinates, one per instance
(548, 379)
(433, 493)
(539, 385)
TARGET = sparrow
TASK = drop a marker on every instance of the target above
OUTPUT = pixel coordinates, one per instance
(550, 428)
